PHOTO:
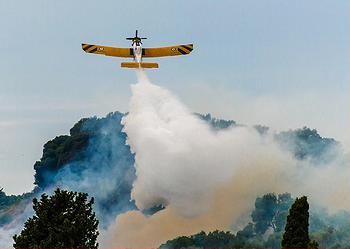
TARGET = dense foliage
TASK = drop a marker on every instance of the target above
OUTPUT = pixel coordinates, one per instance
(307, 143)
(267, 227)
(215, 239)
(296, 233)
(56, 154)
(96, 153)
(216, 124)
(64, 220)
(11, 205)
(8, 200)
(265, 230)
(270, 212)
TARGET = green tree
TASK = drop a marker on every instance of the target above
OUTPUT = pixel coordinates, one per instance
(284, 202)
(296, 233)
(179, 242)
(265, 210)
(215, 239)
(64, 220)
(8, 200)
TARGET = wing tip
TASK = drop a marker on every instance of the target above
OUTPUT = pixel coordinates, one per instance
(83, 46)
(88, 48)
(185, 49)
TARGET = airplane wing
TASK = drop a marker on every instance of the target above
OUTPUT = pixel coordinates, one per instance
(167, 51)
(108, 51)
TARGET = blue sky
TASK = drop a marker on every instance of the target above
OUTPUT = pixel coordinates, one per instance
(280, 63)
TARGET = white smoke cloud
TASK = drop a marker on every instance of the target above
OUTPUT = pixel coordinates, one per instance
(179, 159)
(206, 179)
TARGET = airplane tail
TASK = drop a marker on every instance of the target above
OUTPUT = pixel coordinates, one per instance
(139, 65)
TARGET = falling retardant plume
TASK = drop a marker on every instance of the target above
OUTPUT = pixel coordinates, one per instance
(179, 158)
(206, 179)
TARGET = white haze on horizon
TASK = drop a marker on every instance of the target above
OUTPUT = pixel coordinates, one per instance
(324, 110)
(206, 179)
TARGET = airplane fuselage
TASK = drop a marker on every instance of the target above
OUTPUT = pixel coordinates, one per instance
(137, 53)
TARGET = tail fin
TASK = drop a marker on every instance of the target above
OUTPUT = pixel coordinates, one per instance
(139, 65)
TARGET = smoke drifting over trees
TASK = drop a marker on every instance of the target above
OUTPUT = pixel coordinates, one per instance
(207, 179)
(201, 173)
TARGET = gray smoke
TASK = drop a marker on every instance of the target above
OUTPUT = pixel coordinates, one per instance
(207, 179)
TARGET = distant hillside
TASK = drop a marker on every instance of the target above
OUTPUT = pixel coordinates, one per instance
(217, 124)
(307, 143)
(95, 153)
(10, 206)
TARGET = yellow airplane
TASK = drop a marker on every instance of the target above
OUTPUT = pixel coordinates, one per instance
(137, 52)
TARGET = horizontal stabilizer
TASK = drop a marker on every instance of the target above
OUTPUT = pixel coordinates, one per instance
(139, 65)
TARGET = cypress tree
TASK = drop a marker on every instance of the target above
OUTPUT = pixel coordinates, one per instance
(296, 233)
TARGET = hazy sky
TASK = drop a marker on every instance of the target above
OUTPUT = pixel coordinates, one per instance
(282, 63)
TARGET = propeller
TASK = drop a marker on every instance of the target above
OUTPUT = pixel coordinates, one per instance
(136, 38)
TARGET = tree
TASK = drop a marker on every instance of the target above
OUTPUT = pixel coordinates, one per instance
(215, 239)
(296, 233)
(64, 220)
(265, 210)
(8, 200)
(284, 202)
(307, 143)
